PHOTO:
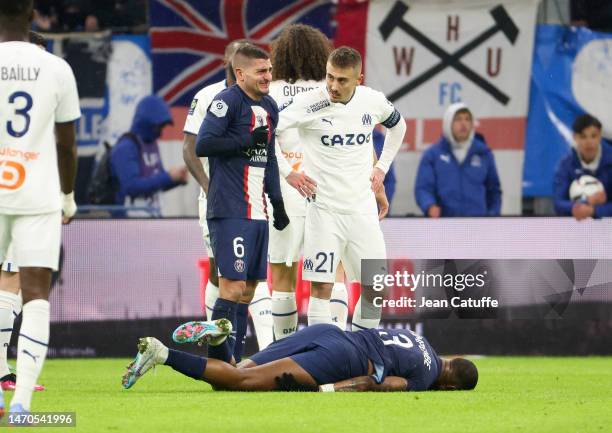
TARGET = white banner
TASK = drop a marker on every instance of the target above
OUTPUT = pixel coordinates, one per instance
(426, 55)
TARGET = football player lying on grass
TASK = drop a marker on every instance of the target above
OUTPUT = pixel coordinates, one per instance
(318, 358)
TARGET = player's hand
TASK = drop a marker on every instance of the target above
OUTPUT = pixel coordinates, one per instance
(179, 174)
(279, 215)
(582, 211)
(434, 211)
(597, 198)
(377, 178)
(304, 184)
(259, 137)
(383, 203)
(69, 207)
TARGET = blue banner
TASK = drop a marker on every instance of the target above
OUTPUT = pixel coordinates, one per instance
(571, 73)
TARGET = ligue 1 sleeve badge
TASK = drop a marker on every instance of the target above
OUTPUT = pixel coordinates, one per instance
(239, 265)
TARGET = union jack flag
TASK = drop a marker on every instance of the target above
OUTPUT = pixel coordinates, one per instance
(188, 37)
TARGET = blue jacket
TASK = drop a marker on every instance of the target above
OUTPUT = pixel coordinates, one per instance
(569, 169)
(468, 189)
(390, 180)
(126, 157)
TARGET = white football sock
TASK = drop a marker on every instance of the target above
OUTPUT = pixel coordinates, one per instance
(31, 349)
(260, 309)
(339, 305)
(284, 314)
(318, 311)
(9, 303)
(371, 313)
(210, 297)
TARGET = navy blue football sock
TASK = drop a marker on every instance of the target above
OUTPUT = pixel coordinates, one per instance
(224, 309)
(186, 363)
(242, 317)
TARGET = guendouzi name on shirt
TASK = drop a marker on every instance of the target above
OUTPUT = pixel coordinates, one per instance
(19, 73)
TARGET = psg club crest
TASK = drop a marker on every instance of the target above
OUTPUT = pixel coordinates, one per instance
(239, 265)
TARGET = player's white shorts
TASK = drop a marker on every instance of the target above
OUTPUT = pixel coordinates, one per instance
(286, 246)
(35, 239)
(204, 226)
(8, 265)
(330, 237)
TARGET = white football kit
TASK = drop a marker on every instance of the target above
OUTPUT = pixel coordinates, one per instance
(195, 117)
(342, 220)
(286, 246)
(37, 90)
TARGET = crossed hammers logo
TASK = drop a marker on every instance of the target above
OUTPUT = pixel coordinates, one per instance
(502, 23)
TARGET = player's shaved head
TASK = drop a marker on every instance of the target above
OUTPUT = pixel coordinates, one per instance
(346, 57)
(230, 50)
(253, 70)
(232, 47)
(246, 53)
(15, 18)
(464, 374)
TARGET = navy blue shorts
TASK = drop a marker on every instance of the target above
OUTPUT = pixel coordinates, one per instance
(240, 247)
(323, 350)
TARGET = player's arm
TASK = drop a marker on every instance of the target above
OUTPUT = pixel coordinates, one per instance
(394, 137)
(305, 185)
(65, 136)
(67, 112)
(367, 383)
(292, 116)
(193, 162)
(212, 139)
(381, 196)
(272, 188)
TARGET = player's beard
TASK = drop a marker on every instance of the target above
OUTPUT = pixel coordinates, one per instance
(263, 91)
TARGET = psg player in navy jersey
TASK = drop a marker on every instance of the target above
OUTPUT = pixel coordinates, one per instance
(318, 358)
(237, 136)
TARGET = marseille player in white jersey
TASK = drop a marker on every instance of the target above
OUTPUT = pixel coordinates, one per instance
(37, 136)
(299, 56)
(335, 125)
(10, 296)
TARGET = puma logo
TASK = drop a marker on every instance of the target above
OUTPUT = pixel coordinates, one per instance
(323, 119)
(33, 356)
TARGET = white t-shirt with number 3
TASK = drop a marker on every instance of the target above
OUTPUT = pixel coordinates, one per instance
(37, 90)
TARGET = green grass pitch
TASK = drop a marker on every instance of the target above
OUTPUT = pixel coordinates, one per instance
(513, 395)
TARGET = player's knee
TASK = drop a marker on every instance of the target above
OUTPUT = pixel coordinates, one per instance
(321, 290)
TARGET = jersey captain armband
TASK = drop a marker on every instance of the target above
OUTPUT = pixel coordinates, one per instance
(392, 120)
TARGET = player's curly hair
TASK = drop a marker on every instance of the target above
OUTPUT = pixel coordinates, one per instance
(300, 53)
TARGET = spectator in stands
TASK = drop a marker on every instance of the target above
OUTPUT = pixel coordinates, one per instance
(135, 161)
(457, 176)
(595, 14)
(590, 156)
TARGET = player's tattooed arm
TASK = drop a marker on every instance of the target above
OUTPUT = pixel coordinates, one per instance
(367, 383)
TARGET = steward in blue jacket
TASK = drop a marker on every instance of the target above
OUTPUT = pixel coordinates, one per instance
(593, 157)
(457, 176)
(135, 160)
